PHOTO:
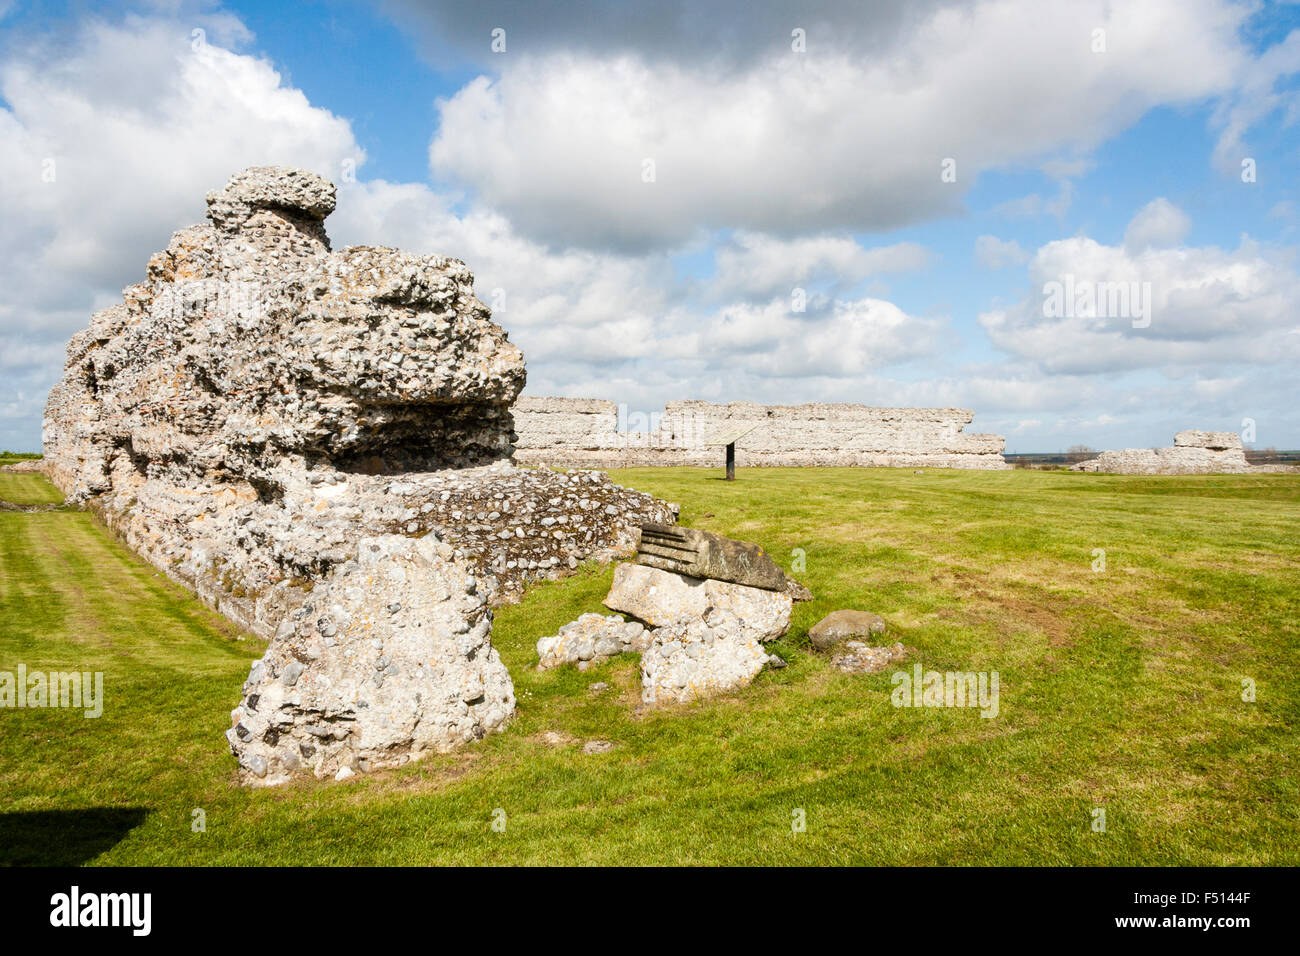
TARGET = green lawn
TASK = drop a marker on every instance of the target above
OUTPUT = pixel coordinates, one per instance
(1121, 689)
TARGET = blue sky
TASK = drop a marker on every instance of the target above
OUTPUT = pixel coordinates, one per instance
(775, 170)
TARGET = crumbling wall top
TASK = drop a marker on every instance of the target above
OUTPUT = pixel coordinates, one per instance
(283, 188)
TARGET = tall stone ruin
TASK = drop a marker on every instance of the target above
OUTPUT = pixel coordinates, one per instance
(319, 443)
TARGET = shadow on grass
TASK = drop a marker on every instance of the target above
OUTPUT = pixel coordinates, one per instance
(64, 837)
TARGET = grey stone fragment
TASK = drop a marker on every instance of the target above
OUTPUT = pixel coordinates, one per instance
(845, 625)
(797, 591)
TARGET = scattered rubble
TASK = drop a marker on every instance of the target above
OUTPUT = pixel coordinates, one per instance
(592, 638)
(846, 632)
(856, 657)
(697, 636)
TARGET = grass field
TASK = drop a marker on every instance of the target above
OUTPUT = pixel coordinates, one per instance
(1121, 689)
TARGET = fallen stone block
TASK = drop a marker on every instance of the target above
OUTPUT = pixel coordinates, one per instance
(699, 658)
(798, 593)
(702, 554)
(845, 625)
(660, 598)
(592, 638)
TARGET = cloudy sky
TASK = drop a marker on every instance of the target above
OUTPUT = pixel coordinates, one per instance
(1079, 219)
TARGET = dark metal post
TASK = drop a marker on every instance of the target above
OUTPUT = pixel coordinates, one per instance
(731, 462)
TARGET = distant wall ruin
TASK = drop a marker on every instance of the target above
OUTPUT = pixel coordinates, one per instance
(589, 433)
(1194, 452)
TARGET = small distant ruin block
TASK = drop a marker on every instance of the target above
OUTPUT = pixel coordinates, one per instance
(1193, 453)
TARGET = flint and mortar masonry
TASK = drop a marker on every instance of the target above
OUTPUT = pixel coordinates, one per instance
(261, 410)
(582, 432)
(1194, 452)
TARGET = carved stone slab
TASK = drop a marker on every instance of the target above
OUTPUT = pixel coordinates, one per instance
(702, 554)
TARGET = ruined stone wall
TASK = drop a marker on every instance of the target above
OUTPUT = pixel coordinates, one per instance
(318, 443)
(583, 432)
(1194, 452)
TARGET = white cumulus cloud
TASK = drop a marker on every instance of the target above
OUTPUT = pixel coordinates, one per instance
(995, 253)
(797, 143)
(1158, 223)
(757, 265)
(1095, 308)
